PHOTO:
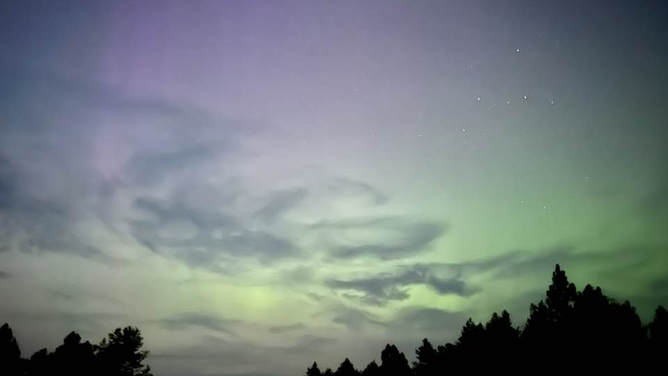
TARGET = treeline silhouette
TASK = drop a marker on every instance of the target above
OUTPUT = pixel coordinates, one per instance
(120, 354)
(568, 331)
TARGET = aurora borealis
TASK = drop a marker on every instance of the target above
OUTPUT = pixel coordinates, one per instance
(261, 184)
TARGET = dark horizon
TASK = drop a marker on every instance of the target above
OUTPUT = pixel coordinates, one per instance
(299, 180)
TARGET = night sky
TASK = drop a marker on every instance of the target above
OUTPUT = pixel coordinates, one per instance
(261, 184)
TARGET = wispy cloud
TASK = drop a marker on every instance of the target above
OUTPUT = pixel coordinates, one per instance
(279, 203)
(347, 186)
(352, 318)
(204, 237)
(210, 322)
(128, 143)
(380, 289)
(392, 237)
(286, 328)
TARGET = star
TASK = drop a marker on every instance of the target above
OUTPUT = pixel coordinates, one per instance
(525, 97)
(517, 50)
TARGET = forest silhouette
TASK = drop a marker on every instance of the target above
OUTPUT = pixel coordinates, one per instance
(568, 331)
(120, 354)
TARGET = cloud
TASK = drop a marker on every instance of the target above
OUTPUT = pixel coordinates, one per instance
(542, 262)
(151, 168)
(280, 203)
(429, 320)
(74, 152)
(169, 211)
(286, 328)
(31, 223)
(608, 262)
(406, 325)
(7, 183)
(22, 215)
(77, 295)
(309, 343)
(391, 237)
(380, 289)
(205, 237)
(630, 272)
(206, 321)
(88, 324)
(350, 187)
(4, 275)
(659, 285)
(352, 318)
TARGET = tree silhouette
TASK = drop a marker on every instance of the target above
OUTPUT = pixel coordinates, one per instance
(549, 326)
(121, 355)
(346, 369)
(569, 330)
(499, 331)
(427, 359)
(560, 297)
(313, 370)
(501, 339)
(74, 358)
(10, 353)
(472, 336)
(447, 355)
(658, 333)
(41, 363)
(372, 369)
(394, 362)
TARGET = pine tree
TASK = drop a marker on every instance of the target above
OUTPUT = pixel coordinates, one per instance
(658, 332)
(121, 355)
(372, 369)
(346, 369)
(560, 296)
(394, 362)
(427, 359)
(10, 353)
(74, 357)
(313, 370)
